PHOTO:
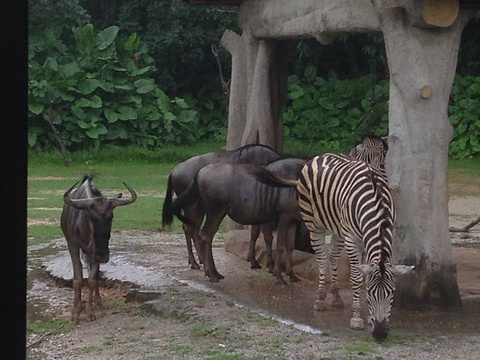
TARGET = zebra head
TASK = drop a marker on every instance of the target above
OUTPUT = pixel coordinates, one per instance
(380, 279)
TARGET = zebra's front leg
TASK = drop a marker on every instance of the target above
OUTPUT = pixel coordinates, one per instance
(317, 238)
(356, 279)
(336, 247)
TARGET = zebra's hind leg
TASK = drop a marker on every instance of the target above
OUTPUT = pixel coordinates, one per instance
(317, 238)
(356, 279)
(336, 247)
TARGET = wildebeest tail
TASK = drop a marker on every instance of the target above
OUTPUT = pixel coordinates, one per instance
(185, 199)
(167, 212)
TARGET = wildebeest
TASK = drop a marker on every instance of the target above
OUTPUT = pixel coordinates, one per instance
(182, 177)
(237, 191)
(288, 168)
(86, 222)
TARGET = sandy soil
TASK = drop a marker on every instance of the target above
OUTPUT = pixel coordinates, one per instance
(181, 316)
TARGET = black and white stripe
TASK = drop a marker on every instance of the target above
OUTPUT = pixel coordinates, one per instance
(351, 199)
(373, 151)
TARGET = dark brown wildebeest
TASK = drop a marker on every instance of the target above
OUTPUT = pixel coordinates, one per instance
(182, 177)
(86, 222)
(288, 168)
(236, 190)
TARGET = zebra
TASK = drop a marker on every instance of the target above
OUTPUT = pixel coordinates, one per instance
(352, 200)
(372, 150)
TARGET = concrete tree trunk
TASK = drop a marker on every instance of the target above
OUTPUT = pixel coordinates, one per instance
(235, 45)
(422, 65)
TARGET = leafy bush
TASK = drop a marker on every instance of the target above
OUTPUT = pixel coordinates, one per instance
(464, 114)
(97, 88)
(334, 111)
(337, 113)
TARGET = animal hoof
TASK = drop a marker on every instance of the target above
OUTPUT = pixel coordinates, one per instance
(214, 279)
(319, 305)
(195, 266)
(294, 279)
(255, 265)
(356, 324)
(281, 282)
(338, 303)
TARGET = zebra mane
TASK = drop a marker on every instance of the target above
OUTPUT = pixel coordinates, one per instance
(383, 219)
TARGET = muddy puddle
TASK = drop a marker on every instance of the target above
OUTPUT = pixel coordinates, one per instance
(154, 261)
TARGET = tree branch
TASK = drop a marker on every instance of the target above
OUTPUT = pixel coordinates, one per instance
(467, 227)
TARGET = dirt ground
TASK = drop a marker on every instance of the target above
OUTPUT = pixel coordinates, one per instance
(178, 314)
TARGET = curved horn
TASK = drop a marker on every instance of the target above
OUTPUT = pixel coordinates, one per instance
(79, 204)
(117, 201)
(67, 193)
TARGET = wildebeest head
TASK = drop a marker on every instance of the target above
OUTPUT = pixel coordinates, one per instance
(99, 210)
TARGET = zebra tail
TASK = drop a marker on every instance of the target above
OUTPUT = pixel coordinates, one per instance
(167, 212)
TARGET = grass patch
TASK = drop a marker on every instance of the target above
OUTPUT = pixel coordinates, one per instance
(464, 177)
(358, 348)
(147, 171)
(179, 350)
(41, 327)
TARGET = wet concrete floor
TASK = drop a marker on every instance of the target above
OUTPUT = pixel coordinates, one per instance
(153, 267)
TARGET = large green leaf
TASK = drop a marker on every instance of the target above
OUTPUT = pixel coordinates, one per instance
(70, 69)
(95, 102)
(132, 42)
(106, 37)
(87, 86)
(126, 113)
(93, 133)
(145, 85)
(111, 115)
(35, 108)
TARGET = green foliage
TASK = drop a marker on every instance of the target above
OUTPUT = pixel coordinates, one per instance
(335, 111)
(179, 37)
(97, 88)
(464, 114)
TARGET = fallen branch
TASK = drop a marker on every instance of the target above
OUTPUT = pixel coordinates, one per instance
(38, 341)
(467, 227)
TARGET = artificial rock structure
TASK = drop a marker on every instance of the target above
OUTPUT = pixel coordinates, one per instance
(422, 38)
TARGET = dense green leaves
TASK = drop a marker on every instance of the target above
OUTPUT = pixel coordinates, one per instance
(464, 114)
(339, 112)
(100, 89)
(334, 111)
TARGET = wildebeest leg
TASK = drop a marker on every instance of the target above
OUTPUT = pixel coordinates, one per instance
(97, 298)
(268, 236)
(281, 231)
(289, 241)
(336, 247)
(254, 232)
(195, 213)
(209, 229)
(188, 230)
(92, 288)
(77, 282)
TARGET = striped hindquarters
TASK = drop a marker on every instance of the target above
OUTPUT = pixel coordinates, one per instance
(344, 196)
